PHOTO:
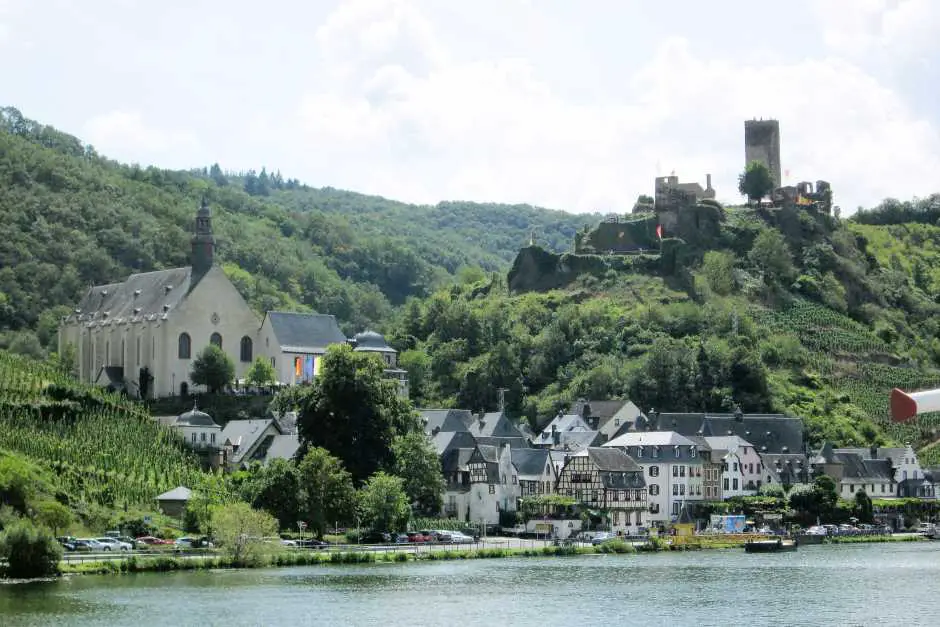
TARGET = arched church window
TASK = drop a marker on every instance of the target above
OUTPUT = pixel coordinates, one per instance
(216, 340)
(246, 349)
(185, 346)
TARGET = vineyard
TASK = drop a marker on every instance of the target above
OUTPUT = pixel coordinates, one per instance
(103, 449)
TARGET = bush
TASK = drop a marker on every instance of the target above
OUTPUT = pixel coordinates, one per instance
(30, 551)
(616, 546)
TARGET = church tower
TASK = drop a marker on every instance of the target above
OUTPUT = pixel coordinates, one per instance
(203, 242)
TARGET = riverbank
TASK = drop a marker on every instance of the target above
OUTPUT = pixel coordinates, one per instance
(286, 558)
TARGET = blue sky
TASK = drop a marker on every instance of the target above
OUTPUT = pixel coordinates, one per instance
(571, 105)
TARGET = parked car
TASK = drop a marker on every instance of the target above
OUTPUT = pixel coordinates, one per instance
(375, 537)
(602, 537)
(67, 542)
(311, 543)
(286, 542)
(419, 536)
(440, 535)
(129, 540)
(153, 541)
(192, 543)
(458, 537)
(401, 538)
(94, 545)
(113, 544)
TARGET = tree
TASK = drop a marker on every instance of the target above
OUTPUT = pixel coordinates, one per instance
(352, 412)
(261, 373)
(213, 369)
(718, 268)
(817, 502)
(418, 365)
(419, 467)
(30, 551)
(755, 182)
(276, 489)
(383, 503)
(240, 531)
(863, 508)
(327, 494)
(771, 255)
(53, 515)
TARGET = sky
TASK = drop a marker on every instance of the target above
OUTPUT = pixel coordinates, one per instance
(568, 105)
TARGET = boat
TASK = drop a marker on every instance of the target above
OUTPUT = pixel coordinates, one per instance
(811, 538)
(770, 546)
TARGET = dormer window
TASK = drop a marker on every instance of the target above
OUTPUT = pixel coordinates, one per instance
(676, 450)
(136, 293)
(639, 451)
(692, 451)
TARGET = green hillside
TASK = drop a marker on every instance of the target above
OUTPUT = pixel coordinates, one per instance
(782, 310)
(102, 453)
(73, 218)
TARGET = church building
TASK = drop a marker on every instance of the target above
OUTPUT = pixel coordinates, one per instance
(142, 335)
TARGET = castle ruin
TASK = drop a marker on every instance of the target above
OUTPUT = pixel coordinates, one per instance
(762, 143)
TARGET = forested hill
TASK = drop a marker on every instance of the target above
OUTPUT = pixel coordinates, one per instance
(773, 310)
(73, 218)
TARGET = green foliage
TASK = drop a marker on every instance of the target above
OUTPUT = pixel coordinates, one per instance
(755, 182)
(327, 493)
(718, 268)
(53, 515)
(261, 373)
(383, 504)
(30, 551)
(862, 508)
(275, 488)
(419, 467)
(213, 368)
(241, 530)
(818, 502)
(771, 255)
(353, 412)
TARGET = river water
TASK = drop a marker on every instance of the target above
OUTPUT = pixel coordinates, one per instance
(873, 584)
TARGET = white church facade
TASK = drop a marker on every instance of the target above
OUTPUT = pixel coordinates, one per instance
(142, 336)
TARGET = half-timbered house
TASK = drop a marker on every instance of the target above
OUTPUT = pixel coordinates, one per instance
(608, 480)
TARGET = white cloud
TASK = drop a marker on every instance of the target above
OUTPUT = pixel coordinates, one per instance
(403, 119)
(896, 29)
(125, 133)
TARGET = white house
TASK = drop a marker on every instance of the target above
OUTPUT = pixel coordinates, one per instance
(535, 471)
(198, 429)
(672, 465)
(480, 483)
(373, 343)
(142, 335)
(742, 469)
(607, 479)
(257, 440)
(296, 342)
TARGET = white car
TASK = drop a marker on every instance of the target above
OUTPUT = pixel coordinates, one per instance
(94, 545)
(113, 544)
(456, 537)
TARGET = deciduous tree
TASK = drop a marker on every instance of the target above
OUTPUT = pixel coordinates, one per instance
(383, 503)
(755, 182)
(213, 369)
(419, 467)
(327, 494)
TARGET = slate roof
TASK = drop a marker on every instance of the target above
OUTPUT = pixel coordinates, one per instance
(195, 418)
(446, 440)
(298, 332)
(611, 459)
(494, 424)
(726, 442)
(650, 438)
(498, 442)
(370, 341)
(530, 463)
(892, 453)
(143, 295)
(768, 433)
(283, 447)
(245, 433)
(445, 420)
(176, 494)
(456, 459)
(792, 467)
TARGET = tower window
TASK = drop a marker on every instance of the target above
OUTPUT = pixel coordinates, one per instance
(216, 340)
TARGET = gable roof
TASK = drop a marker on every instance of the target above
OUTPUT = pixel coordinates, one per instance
(650, 438)
(299, 332)
(143, 295)
(445, 420)
(768, 433)
(176, 494)
(456, 459)
(611, 459)
(245, 434)
(283, 447)
(530, 463)
(444, 441)
(494, 424)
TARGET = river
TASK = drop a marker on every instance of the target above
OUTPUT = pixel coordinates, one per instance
(862, 584)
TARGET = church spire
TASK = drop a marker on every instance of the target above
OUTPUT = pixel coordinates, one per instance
(203, 241)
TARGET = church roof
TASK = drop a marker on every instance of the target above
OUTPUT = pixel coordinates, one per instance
(372, 341)
(298, 332)
(146, 294)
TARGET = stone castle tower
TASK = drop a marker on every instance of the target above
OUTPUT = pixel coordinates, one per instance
(203, 242)
(762, 143)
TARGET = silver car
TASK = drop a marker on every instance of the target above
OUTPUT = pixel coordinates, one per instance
(113, 544)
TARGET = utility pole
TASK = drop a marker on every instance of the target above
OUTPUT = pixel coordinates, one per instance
(502, 398)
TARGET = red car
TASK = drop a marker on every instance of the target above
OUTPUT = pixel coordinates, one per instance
(418, 536)
(152, 541)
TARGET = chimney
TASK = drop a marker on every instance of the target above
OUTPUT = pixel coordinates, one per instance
(874, 451)
(556, 436)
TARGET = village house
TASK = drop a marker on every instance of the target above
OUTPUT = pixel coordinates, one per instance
(535, 472)
(912, 481)
(140, 336)
(296, 342)
(608, 418)
(480, 483)
(741, 471)
(672, 465)
(373, 343)
(852, 473)
(607, 480)
(567, 432)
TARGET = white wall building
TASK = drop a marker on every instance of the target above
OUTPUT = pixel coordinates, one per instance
(296, 342)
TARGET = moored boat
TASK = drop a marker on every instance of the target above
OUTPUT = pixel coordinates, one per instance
(769, 546)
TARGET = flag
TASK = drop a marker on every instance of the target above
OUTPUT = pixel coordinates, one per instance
(659, 231)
